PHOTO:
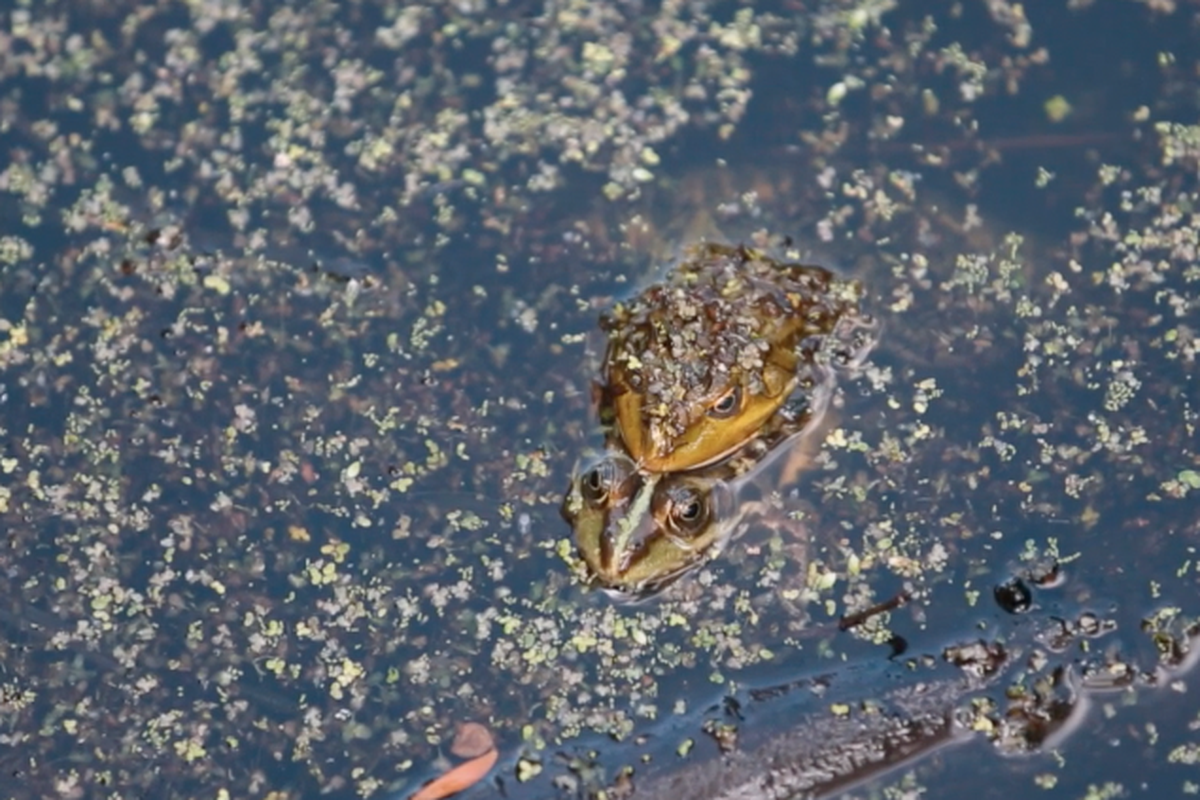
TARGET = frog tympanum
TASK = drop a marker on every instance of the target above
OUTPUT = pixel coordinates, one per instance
(705, 374)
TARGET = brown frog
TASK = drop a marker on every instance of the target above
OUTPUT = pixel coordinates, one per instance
(700, 363)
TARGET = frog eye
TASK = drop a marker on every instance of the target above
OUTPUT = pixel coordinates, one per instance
(596, 482)
(688, 511)
(601, 481)
(727, 404)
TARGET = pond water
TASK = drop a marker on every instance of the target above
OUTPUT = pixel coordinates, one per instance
(298, 329)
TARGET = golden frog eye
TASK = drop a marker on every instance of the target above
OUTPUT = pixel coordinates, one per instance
(727, 404)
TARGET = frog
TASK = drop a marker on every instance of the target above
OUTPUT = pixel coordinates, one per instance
(639, 532)
(698, 364)
(706, 372)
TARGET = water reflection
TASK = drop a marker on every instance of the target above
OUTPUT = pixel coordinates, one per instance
(1020, 691)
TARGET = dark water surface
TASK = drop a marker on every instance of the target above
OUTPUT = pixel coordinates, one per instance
(298, 312)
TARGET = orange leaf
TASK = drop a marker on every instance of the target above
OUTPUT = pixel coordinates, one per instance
(454, 781)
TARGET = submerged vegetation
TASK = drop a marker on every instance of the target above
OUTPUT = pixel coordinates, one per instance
(294, 366)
